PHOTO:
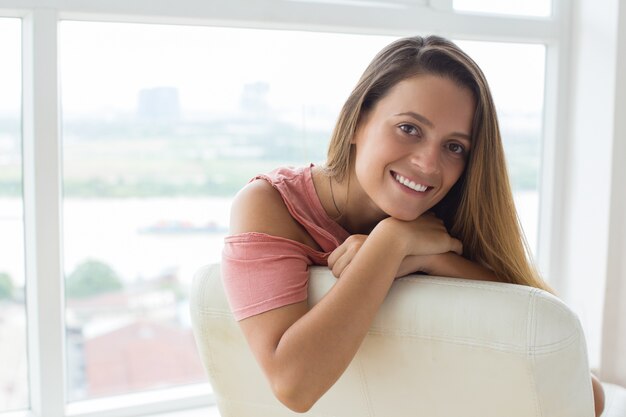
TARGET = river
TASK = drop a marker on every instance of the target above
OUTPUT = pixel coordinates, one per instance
(113, 231)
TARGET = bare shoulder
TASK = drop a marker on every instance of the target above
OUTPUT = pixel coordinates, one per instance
(259, 207)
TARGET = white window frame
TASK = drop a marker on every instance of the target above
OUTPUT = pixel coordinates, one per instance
(42, 142)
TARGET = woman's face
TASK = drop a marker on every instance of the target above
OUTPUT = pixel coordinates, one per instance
(413, 145)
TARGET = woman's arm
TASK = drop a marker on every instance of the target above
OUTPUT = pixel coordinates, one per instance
(598, 395)
(303, 352)
(448, 265)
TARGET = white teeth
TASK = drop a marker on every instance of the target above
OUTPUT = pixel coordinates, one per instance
(408, 183)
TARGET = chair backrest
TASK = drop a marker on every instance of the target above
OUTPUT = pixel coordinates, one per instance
(438, 347)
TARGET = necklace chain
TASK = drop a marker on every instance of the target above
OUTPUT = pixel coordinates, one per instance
(332, 194)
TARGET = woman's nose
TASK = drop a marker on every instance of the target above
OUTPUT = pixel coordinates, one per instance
(426, 158)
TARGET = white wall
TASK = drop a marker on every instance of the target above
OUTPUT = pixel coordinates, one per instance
(614, 328)
(588, 148)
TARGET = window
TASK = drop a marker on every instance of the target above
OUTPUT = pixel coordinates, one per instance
(162, 121)
(538, 8)
(153, 152)
(516, 75)
(13, 372)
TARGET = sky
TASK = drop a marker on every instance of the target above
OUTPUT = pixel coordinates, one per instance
(106, 64)
(103, 66)
(10, 57)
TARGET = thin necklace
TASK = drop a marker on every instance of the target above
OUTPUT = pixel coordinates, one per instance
(332, 194)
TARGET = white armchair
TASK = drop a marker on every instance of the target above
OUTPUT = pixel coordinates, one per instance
(438, 347)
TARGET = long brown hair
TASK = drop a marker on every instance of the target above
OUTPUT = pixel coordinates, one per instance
(479, 209)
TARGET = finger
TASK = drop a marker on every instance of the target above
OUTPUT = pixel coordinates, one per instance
(339, 266)
(457, 246)
(342, 263)
(336, 254)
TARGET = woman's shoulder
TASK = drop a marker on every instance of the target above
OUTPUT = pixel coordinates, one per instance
(259, 207)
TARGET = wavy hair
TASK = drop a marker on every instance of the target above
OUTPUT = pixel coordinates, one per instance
(479, 209)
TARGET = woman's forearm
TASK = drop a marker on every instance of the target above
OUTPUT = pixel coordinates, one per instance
(452, 265)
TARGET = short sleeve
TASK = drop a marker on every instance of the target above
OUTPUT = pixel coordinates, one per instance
(262, 272)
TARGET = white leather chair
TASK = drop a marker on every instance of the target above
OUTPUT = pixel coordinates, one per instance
(438, 347)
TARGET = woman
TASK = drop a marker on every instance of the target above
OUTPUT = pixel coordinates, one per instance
(415, 180)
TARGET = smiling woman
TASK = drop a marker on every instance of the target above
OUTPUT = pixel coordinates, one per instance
(157, 141)
(164, 119)
(417, 157)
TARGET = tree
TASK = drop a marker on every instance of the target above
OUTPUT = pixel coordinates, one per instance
(6, 286)
(92, 277)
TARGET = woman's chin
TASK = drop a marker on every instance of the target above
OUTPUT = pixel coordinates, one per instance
(404, 216)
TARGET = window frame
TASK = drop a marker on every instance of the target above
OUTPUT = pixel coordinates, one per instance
(42, 165)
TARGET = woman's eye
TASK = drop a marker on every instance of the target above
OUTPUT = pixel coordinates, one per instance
(410, 129)
(456, 148)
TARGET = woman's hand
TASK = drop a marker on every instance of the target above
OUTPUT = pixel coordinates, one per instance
(426, 227)
(426, 235)
(447, 264)
(341, 257)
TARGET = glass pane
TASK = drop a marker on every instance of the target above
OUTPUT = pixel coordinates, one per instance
(162, 125)
(516, 73)
(539, 8)
(14, 362)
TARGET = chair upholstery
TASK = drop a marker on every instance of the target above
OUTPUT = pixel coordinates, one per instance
(438, 347)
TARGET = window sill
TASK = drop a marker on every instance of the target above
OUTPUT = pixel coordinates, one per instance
(191, 398)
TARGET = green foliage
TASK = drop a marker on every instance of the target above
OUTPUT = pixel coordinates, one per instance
(6, 286)
(91, 277)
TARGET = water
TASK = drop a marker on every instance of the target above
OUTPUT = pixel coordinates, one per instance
(109, 230)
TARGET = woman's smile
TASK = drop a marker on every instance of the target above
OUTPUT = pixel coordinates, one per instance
(416, 187)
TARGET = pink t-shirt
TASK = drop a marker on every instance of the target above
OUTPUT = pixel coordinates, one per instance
(262, 272)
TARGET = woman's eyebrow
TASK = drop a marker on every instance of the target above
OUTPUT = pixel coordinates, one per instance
(418, 117)
(428, 123)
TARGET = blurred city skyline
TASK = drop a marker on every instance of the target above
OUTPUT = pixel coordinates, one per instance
(104, 66)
